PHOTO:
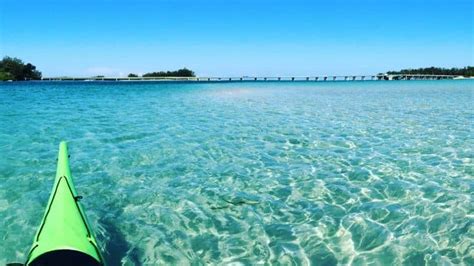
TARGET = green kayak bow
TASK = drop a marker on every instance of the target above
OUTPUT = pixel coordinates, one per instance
(64, 236)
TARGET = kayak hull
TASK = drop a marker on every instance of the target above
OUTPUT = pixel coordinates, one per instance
(64, 236)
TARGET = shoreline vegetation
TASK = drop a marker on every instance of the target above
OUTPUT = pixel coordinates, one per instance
(182, 73)
(467, 71)
(14, 69)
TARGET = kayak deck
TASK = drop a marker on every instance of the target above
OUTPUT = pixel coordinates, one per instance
(64, 236)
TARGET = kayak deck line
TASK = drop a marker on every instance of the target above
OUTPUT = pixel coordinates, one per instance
(76, 198)
(64, 236)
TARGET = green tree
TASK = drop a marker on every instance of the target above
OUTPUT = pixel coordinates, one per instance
(14, 69)
(184, 72)
(5, 76)
(465, 71)
(131, 75)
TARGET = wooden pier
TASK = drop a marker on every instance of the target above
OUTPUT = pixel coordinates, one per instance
(248, 79)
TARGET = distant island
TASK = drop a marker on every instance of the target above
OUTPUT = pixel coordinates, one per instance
(465, 71)
(12, 68)
(184, 72)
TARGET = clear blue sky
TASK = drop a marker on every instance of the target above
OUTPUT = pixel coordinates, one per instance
(227, 37)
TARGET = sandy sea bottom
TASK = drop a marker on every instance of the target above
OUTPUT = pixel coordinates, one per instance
(252, 173)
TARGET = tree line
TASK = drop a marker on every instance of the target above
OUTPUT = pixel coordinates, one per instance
(465, 71)
(12, 68)
(184, 72)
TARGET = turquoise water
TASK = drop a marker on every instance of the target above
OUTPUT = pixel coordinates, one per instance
(252, 173)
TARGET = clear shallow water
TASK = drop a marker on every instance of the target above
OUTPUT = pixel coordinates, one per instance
(256, 173)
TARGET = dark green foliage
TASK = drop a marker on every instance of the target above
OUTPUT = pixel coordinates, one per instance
(184, 72)
(5, 75)
(131, 75)
(465, 71)
(14, 69)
